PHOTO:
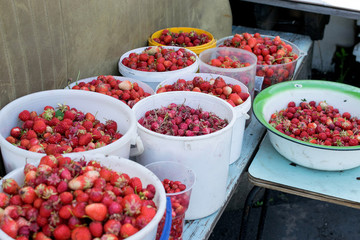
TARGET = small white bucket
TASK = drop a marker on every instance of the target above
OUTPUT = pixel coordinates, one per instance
(154, 78)
(119, 164)
(207, 155)
(242, 110)
(104, 107)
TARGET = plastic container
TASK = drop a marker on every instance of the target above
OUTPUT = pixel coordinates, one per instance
(242, 110)
(345, 98)
(141, 84)
(196, 49)
(175, 171)
(281, 72)
(154, 78)
(245, 75)
(103, 106)
(207, 155)
(121, 165)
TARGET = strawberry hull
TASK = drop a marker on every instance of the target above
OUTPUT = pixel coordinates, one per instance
(103, 106)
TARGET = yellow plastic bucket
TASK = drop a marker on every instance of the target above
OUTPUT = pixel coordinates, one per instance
(197, 49)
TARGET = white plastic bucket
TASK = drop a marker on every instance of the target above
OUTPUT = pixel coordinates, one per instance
(104, 107)
(121, 165)
(242, 110)
(154, 78)
(207, 155)
(141, 84)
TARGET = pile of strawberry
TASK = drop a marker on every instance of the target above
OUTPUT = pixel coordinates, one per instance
(182, 39)
(64, 199)
(159, 59)
(182, 120)
(233, 94)
(179, 203)
(227, 62)
(62, 130)
(126, 91)
(318, 123)
(270, 53)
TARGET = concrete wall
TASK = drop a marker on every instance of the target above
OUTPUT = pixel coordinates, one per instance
(43, 43)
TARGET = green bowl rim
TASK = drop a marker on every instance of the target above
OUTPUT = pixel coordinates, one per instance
(261, 97)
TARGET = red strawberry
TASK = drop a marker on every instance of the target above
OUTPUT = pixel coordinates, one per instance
(79, 209)
(112, 226)
(136, 184)
(15, 132)
(127, 230)
(81, 233)
(4, 200)
(39, 126)
(49, 160)
(40, 236)
(80, 182)
(27, 194)
(96, 211)
(65, 212)
(131, 204)
(62, 232)
(235, 98)
(85, 139)
(10, 186)
(24, 115)
(9, 226)
(109, 236)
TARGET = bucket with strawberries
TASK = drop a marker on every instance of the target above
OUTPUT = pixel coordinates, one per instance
(235, 63)
(156, 63)
(194, 39)
(194, 129)
(128, 90)
(229, 89)
(94, 196)
(276, 57)
(67, 122)
(178, 181)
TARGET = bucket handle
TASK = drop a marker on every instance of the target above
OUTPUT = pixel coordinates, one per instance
(168, 221)
(138, 147)
(243, 115)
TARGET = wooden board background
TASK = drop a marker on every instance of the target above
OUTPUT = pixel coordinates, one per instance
(43, 43)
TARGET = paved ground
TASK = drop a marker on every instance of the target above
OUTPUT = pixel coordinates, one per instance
(289, 217)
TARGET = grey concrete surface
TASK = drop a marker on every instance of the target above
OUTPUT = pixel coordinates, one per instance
(288, 217)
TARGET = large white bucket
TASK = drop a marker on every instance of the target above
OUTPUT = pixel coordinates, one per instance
(123, 165)
(207, 155)
(242, 110)
(104, 107)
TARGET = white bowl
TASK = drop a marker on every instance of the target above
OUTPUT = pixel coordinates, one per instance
(119, 164)
(154, 78)
(330, 158)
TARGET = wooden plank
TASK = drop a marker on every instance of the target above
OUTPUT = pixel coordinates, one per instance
(202, 228)
(340, 9)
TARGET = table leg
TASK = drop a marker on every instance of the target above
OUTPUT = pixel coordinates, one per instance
(246, 211)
